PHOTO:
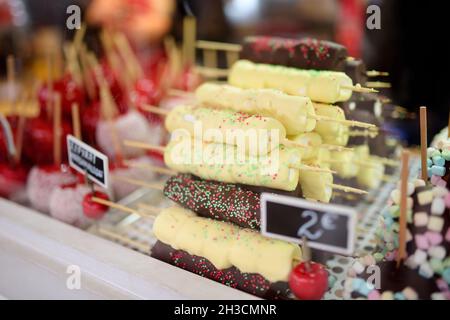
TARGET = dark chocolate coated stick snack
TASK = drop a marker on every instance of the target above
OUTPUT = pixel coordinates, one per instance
(252, 283)
(356, 70)
(303, 53)
(220, 201)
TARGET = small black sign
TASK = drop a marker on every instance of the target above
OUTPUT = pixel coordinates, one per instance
(327, 227)
(86, 159)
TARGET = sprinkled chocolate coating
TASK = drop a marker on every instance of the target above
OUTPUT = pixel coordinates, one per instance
(226, 202)
(304, 53)
(249, 282)
(356, 70)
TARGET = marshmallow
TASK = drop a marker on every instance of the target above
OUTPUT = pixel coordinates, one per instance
(440, 192)
(425, 197)
(419, 183)
(437, 252)
(387, 295)
(446, 155)
(425, 270)
(410, 293)
(434, 238)
(435, 224)
(420, 219)
(438, 206)
(358, 267)
(421, 242)
(395, 196)
(438, 170)
(438, 160)
(420, 257)
(374, 295)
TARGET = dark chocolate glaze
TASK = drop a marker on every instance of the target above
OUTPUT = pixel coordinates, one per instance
(303, 53)
(356, 70)
(252, 283)
(396, 279)
(237, 204)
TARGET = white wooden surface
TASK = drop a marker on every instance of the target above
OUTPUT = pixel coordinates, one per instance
(36, 250)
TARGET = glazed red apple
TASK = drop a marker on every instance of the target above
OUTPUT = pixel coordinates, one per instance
(93, 209)
(309, 284)
(12, 179)
(70, 92)
(38, 141)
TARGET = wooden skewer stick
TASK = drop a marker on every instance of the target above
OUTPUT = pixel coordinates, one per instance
(50, 98)
(149, 208)
(379, 84)
(143, 145)
(114, 205)
(87, 78)
(20, 134)
(375, 73)
(154, 186)
(76, 121)
(363, 133)
(132, 62)
(350, 123)
(189, 38)
(79, 35)
(11, 78)
(212, 72)
(218, 46)
(335, 148)
(150, 167)
(156, 110)
(120, 238)
(57, 130)
(358, 88)
(347, 189)
(180, 93)
(403, 207)
(423, 142)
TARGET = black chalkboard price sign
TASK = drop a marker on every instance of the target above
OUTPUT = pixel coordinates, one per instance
(86, 159)
(327, 227)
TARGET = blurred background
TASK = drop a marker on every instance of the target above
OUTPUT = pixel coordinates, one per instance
(418, 66)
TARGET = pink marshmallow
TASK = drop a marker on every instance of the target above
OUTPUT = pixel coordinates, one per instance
(435, 179)
(447, 200)
(434, 238)
(374, 295)
(421, 241)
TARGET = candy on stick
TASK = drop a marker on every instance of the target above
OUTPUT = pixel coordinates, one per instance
(258, 134)
(303, 53)
(319, 86)
(379, 84)
(296, 113)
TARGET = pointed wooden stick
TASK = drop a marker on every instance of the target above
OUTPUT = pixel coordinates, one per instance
(120, 238)
(212, 72)
(218, 46)
(50, 98)
(149, 208)
(180, 93)
(335, 148)
(127, 53)
(403, 207)
(350, 123)
(87, 76)
(11, 78)
(423, 142)
(79, 35)
(154, 186)
(113, 205)
(358, 88)
(76, 121)
(189, 38)
(347, 189)
(57, 130)
(375, 73)
(165, 171)
(363, 133)
(379, 84)
(143, 145)
(156, 110)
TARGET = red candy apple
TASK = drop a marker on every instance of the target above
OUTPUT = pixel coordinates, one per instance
(70, 92)
(38, 141)
(309, 282)
(94, 210)
(12, 179)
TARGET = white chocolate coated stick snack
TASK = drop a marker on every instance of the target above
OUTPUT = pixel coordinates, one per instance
(319, 86)
(291, 111)
(311, 139)
(370, 175)
(345, 163)
(316, 185)
(260, 135)
(226, 163)
(226, 245)
(333, 133)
